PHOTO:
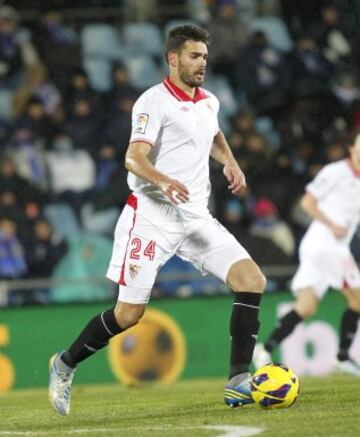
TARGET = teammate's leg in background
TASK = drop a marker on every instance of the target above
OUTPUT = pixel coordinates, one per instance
(305, 307)
(244, 326)
(349, 325)
(94, 337)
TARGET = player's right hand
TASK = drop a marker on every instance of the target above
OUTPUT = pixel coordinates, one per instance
(338, 231)
(174, 190)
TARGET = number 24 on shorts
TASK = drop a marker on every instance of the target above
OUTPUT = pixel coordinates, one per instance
(136, 249)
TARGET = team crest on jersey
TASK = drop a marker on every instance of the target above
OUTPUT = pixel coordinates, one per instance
(141, 123)
(133, 270)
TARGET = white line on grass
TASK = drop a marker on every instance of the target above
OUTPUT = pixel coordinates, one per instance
(228, 430)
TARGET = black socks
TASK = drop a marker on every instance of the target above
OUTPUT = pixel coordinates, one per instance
(244, 327)
(348, 329)
(285, 327)
(94, 337)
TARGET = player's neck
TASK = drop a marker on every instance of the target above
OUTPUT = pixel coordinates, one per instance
(190, 91)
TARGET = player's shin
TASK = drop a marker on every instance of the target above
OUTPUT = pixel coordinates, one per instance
(348, 329)
(285, 327)
(95, 336)
(244, 327)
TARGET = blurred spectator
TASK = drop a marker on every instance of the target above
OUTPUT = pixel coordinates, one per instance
(16, 49)
(100, 215)
(27, 152)
(122, 88)
(267, 224)
(78, 87)
(331, 35)
(83, 125)
(12, 181)
(35, 119)
(52, 37)
(36, 84)
(118, 123)
(47, 250)
(12, 256)
(228, 35)
(262, 72)
(71, 171)
(310, 70)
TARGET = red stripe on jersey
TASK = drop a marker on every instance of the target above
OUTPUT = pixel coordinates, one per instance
(180, 95)
(142, 140)
(132, 202)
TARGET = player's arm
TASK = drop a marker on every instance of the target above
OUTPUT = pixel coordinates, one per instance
(137, 161)
(309, 204)
(222, 153)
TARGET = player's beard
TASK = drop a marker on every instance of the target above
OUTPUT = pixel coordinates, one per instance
(190, 79)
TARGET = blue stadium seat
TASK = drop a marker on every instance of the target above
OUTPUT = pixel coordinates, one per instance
(143, 38)
(143, 72)
(6, 104)
(220, 86)
(275, 31)
(99, 69)
(102, 40)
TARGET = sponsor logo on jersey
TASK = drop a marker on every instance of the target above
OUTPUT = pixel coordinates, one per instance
(133, 270)
(141, 123)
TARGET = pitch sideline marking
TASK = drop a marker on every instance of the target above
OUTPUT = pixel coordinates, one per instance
(228, 430)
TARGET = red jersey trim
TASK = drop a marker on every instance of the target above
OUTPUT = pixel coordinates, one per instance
(180, 95)
(141, 140)
(356, 172)
(133, 203)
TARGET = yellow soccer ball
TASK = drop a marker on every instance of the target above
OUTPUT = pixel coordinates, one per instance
(274, 386)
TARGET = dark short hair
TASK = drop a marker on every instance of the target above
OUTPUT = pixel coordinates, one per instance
(350, 137)
(178, 36)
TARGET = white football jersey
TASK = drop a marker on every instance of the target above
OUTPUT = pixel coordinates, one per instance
(337, 191)
(181, 131)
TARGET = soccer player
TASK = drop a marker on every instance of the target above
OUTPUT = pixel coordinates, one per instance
(332, 199)
(174, 131)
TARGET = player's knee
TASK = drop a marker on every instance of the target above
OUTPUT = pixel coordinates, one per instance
(354, 303)
(129, 315)
(307, 309)
(256, 282)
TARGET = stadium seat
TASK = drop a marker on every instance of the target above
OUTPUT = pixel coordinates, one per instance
(102, 40)
(143, 72)
(87, 258)
(219, 85)
(144, 38)
(62, 219)
(99, 69)
(6, 104)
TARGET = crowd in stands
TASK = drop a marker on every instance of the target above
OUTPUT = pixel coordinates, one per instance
(286, 74)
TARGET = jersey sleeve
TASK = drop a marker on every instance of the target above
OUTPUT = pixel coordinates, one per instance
(324, 182)
(146, 119)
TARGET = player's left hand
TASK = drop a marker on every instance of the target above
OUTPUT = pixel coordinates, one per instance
(235, 177)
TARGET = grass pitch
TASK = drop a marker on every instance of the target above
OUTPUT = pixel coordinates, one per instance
(326, 407)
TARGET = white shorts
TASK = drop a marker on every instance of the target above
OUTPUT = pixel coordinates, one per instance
(324, 262)
(149, 233)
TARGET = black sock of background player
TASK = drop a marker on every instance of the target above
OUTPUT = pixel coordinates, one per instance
(348, 329)
(94, 337)
(285, 327)
(244, 327)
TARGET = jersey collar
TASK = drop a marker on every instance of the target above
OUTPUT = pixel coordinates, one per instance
(180, 95)
(356, 172)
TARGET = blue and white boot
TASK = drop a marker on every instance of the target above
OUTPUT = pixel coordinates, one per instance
(237, 391)
(61, 377)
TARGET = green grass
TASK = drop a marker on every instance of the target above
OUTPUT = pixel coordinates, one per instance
(326, 407)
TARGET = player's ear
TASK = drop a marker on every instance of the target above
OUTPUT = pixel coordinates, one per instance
(172, 59)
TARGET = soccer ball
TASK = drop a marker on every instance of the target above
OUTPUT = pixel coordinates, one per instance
(274, 386)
